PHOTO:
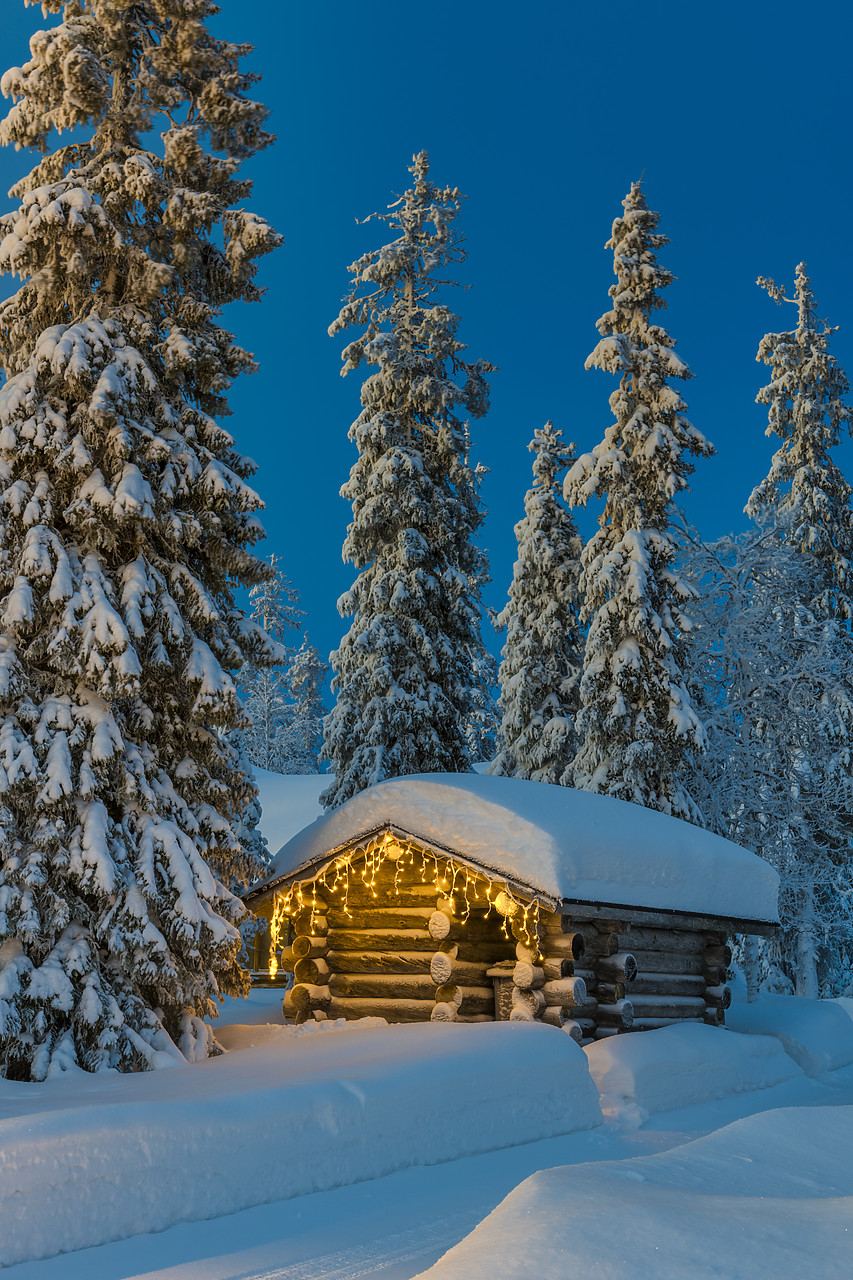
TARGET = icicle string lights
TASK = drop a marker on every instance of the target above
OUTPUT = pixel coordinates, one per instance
(457, 884)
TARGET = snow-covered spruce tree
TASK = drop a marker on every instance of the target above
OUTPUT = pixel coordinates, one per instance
(303, 728)
(776, 703)
(636, 720)
(540, 667)
(264, 690)
(125, 522)
(405, 675)
(807, 499)
(805, 399)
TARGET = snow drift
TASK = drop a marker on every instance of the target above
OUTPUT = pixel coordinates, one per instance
(562, 842)
(115, 1155)
(678, 1066)
(817, 1034)
(770, 1195)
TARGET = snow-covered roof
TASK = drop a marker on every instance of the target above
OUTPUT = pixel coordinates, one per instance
(562, 843)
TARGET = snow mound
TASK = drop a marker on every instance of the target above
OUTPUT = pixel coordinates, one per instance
(663, 1070)
(113, 1156)
(817, 1034)
(289, 802)
(770, 1195)
(846, 1003)
(564, 843)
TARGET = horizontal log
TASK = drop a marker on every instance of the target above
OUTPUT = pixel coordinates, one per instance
(385, 895)
(619, 1014)
(715, 1017)
(392, 1010)
(287, 960)
(304, 947)
(565, 991)
(718, 997)
(574, 1030)
(532, 1001)
(384, 985)
(555, 1016)
(288, 1008)
(553, 969)
(625, 914)
(311, 970)
(604, 1033)
(564, 946)
(668, 1006)
(670, 940)
(308, 995)
(668, 984)
(399, 962)
(603, 944)
(443, 1012)
(526, 975)
(669, 962)
(376, 917)
(488, 951)
(589, 976)
(381, 940)
(653, 1024)
(610, 992)
(719, 955)
(623, 964)
(304, 923)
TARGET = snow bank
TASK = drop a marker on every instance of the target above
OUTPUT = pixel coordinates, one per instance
(565, 843)
(289, 802)
(817, 1034)
(770, 1195)
(678, 1066)
(84, 1160)
(846, 1003)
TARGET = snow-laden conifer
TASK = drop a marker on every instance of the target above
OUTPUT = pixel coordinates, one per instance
(805, 399)
(263, 688)
(775, 697)
(304, 722)
(540, 667)
(636, 719)
(405, 675)
(125, 522)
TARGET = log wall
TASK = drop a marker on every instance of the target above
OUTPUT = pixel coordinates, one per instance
(395, 949)
(637, 978)
(402, 950)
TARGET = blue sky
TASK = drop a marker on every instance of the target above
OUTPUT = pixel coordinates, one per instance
(737, 114)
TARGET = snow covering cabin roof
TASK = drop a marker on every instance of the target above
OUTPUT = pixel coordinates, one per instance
(556, 841)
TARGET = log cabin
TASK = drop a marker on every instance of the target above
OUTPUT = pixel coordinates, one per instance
(465, 898)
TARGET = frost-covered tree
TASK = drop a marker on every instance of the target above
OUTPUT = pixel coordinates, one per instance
(264, 690)
(406, 673)
(806, 499)
(540, 667)
(304, 722)
(126, 522)
(775, 697)
(805, 486)
(637, 720)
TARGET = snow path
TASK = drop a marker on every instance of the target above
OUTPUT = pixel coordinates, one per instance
(397, 1226)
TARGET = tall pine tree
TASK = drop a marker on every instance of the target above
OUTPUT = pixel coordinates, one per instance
(805, 400)
(405, 675)
(126, 521)
(636, 717)
(540, 667)
(807, 499)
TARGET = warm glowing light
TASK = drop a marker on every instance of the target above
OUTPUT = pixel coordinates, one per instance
(459, 884)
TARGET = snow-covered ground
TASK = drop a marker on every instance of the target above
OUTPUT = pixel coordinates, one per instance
(330, 1153)
(755, 1184)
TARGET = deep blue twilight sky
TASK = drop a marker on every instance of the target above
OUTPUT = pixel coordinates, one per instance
(737, 113)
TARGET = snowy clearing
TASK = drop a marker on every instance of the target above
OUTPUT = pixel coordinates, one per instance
(302, 1111)
(817, 1034)
(770, 1195)
(680, 1066)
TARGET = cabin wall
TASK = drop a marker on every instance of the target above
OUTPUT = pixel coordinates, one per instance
(634, 977)
(397, 949)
